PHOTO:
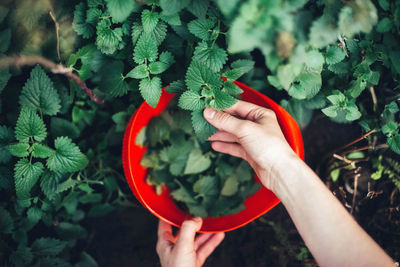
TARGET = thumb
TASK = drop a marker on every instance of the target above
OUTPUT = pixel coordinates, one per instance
(187, 234)
(223, 121)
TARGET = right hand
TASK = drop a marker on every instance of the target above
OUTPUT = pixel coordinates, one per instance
(255, 137)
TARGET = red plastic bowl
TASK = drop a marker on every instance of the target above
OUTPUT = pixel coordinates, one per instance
(163, 205)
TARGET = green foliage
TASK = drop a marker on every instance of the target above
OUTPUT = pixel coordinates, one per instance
(189, 168)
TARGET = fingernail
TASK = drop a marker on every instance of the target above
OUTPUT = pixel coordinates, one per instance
(209, 113)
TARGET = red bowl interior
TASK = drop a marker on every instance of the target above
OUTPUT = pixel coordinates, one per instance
(163, 205)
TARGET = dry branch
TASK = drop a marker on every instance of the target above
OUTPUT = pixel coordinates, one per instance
(20, 61)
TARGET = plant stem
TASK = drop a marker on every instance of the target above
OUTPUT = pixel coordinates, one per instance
(20, 61)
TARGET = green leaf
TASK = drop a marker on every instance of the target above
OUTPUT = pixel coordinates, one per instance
(139, 72)
(29, 125)
(339, 68)
(183, 195)
(334, 55)
(171, 19)
(230, 187)
(150, 89)
(384, 25)
(159, 33)
(206, 186)
(171, 7)
(315, 61)
(191, 100)
(357, 87)
(213, 57)
(201, 127)
(113, 80)
(39, 93)
(232, 89)
(5, 38)
(34, 215)
(352, 112)
(22, 256)
(330, 111)
(120, 9)
(158, 67)
(167, 58)
(361, 17)
(62, 127)
(6, 178)
(109, 40)
(199, 76)
(79, 23)
(41, 151)
(6, 137)
(67, 157)
(243, 65)
(201, 28)
(199, 8)
(222, 100)
(69, 231)
(394, 143)
(322, 33)
(176, 87)
(49, 184)
(149, 20)
(6, 221)
(26, 175)
(145, 49)
(137, 30)
(308, 85)
(19, 149)
(4, 77)
(93, 15)
(47, 246)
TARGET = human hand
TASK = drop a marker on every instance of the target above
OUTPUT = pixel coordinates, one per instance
(185, 249)
(255, 136)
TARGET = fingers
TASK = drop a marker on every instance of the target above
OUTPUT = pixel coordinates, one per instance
(208, 247)
(223, 136)
(187, 233)
(201, 239)
(223, 121)
(235, 150)
(165, 237)
(249, 111)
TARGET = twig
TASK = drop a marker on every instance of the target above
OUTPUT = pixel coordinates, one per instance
(57, 27)
(355, 189)
(374, 99)
(20, 61)
(355, 141)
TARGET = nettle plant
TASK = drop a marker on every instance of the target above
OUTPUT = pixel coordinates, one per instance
(57, 150)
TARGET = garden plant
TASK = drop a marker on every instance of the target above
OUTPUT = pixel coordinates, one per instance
(72, 73)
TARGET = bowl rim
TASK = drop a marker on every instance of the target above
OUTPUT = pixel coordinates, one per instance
(129, 140)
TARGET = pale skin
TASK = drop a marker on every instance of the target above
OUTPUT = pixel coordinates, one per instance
(329, 231)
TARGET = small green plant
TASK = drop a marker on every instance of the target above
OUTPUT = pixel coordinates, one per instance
(207, 183)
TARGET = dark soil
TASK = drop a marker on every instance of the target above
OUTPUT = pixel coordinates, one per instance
(128, 237)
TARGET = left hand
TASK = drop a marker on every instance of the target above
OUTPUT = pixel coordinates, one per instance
(185, 249)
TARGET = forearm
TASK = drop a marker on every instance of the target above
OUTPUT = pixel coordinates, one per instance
(330, 233)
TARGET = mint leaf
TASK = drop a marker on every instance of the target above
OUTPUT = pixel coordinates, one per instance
(145, 49)
(334, 55)
(158, 67)
(307, 85)
(67, 157)
(149, 20)
(150, 89)
(120, 9)
(199, 76)
(201, 28)
(176, 87)
(47, 246)
(191, 100)
(113, 80)
(26, 175)
(211, 56)
(199, 8)
(49, 184)
(79, 23)
(230, 187)
(384, 25)
(394, 143)
(167, 58)
(171, 7)
(41, 151)
(29, 125)
(139, 72)
(361, 17)
(19, 149)
(315, 61)
(201, 127)
(322, 33)
(108, 40)
(206, 185)
(39, 93)
(232, 88)
(222, 100)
